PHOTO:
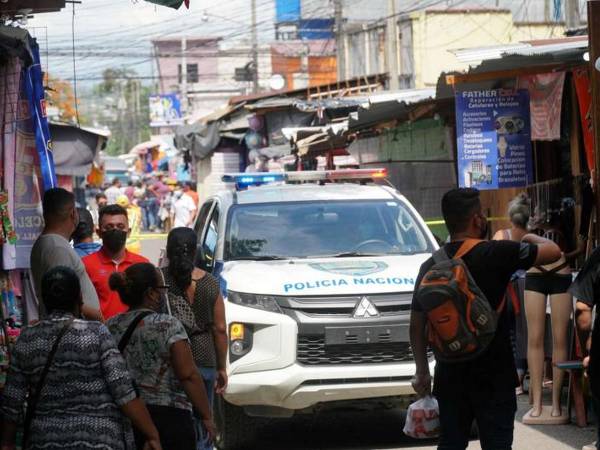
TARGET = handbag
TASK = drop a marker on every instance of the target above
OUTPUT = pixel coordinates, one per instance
(34, 396)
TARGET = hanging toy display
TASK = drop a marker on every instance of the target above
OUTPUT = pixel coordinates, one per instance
(7, 232)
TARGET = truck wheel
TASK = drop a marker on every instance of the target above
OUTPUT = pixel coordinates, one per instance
(235, 429)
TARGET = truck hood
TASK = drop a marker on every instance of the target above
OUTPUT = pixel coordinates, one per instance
(330, 276)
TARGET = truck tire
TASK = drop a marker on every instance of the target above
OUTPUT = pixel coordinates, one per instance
(235, 429)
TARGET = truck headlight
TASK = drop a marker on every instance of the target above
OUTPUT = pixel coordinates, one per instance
(240, 340)
(264, 302)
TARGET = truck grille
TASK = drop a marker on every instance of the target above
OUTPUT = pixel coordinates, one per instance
(312, 351)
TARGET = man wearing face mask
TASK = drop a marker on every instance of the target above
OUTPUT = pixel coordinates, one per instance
(113, 229)
(481, 389)
(52, 249)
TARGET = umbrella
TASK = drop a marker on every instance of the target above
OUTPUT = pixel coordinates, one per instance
(144, 147)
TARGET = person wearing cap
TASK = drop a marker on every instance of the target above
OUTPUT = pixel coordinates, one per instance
(83, 236)
(134, 216)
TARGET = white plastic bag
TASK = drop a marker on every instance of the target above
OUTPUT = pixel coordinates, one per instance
(423, 419)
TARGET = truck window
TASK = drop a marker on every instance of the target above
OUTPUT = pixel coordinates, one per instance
(209, 245)
(202, 217)
(318, 229)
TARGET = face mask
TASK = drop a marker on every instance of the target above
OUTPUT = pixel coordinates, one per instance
(114, 240)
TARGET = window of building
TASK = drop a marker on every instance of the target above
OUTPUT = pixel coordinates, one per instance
(192, 73)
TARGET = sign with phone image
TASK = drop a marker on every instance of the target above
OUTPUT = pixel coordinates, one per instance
(493, 130)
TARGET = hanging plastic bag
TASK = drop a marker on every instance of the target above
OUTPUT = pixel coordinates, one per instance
(423, 419)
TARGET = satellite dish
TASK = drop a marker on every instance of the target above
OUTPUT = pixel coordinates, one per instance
(277, 82)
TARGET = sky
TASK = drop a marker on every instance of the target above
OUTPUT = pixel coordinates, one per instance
(122, 29)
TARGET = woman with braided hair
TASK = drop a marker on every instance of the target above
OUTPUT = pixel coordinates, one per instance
(195, 299)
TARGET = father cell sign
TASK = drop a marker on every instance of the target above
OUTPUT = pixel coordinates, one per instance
(494, 138)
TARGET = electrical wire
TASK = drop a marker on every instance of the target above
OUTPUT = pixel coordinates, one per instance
(74, 67)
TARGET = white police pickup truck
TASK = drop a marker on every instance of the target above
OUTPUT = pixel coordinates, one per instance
(317, 270)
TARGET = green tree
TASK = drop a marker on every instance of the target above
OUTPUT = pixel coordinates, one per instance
(130, 115)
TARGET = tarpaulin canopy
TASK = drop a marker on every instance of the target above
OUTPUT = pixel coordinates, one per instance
(144, 147)
(75, 148)
(199, 138)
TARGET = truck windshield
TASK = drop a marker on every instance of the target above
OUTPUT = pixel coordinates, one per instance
(321, 229)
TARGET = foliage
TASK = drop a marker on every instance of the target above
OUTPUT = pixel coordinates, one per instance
(59, 93)
(126, 101)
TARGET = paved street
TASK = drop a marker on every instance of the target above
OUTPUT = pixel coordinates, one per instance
(383, 430)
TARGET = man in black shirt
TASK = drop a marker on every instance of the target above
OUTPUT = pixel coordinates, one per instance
(482, 389)
(586, 289)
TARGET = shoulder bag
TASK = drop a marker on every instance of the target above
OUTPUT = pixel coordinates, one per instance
(34, 396)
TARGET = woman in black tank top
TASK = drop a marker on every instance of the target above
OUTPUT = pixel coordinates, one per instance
(195, 299)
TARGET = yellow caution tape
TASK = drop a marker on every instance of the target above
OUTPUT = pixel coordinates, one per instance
(441, 222)
(149, 236)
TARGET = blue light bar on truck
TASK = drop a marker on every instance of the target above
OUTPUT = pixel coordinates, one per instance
(253, 179)
(243, 180)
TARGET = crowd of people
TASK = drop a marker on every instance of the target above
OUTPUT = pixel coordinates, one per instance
(123, 354)
(155, 204)
(128, 355)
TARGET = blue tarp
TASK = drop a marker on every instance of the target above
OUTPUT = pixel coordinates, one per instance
(33, 85)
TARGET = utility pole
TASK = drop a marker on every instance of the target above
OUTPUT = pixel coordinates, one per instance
(594, 49)
(340, 42)
(572, 14)
(392, 46)
(254, 49)
(547, 15)
(184, 96)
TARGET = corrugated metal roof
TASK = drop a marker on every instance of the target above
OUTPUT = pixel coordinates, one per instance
(477, 55)
(407, 96)
(554, 48)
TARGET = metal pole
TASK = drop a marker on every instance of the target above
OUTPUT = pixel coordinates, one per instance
(572, 14)
(594, 49)
(339, 39)
(254, 49)
(184, 96)
(392, 46)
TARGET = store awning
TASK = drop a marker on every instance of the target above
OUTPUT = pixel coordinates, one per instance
(75, 148)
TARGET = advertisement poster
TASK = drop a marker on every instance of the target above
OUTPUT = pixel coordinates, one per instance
(494, 138)
(165, 110)
(24, 185)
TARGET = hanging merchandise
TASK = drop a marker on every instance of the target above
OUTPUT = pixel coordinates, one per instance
(545, 102)
(33, 82)
(581, 78)
(7, 232)
(175, 4)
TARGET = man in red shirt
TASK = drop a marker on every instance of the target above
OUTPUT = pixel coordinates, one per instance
(113, 228)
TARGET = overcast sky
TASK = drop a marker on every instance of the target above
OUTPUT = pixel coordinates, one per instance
(126, 26)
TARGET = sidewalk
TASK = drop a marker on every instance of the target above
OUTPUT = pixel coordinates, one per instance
(547, 437)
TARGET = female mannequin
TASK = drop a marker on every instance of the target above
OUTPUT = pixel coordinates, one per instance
(542, 282)
(518, 213)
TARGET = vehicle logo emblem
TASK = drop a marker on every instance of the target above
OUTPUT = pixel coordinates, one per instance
(351, 268)
(365, 309)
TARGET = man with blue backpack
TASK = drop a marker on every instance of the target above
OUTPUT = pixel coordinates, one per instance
(458, 311)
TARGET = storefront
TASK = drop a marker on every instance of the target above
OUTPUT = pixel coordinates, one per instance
(26, 171)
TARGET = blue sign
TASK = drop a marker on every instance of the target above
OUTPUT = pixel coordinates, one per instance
(165, 110)
(494, 138)
(287, 10)
(316, 29)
